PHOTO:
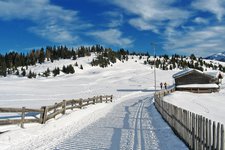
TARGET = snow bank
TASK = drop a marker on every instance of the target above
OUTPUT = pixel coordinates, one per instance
(210, 105)
(198, 86)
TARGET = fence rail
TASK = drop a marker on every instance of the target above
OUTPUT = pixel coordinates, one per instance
(198, 132)
(49, 112)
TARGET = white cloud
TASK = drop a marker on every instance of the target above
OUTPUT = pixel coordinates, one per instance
(51, 22)
(112, 37)
(173, 25)
(200, 20)
(202, 42)
(216, 7)
(141, 24)
(151, 14)
(115, 18)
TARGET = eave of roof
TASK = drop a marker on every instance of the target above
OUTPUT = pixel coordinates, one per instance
(185, 72)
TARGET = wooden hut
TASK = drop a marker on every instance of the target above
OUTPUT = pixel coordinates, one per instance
(195, 81)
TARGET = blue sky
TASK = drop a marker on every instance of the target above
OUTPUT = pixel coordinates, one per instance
(176, 26)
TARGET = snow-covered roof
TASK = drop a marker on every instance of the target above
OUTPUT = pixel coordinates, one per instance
(212, 73)
(206, 86)
(184, 72)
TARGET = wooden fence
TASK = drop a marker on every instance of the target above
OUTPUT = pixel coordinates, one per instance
(49, 112)
(198, 132)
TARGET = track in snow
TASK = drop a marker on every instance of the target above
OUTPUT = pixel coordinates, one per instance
(133, 124)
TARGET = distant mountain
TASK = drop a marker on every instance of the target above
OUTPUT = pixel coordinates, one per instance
(218, 56)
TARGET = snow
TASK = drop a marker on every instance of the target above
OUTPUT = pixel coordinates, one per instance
(184, 72)
(128, 82)
(198, 86)
(133, 124)
(210, 105)
(181, 73)
(129, 122)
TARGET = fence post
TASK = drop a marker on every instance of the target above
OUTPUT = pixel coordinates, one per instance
(204, 133)
(210, 134)
(218, 137)
(94, 100)
(44, 115)
(222, 137)
(64, 107)
(193, 131)
(81, 103)
(106, 99)
(72, 104)
(214, 135)
(55, 108)
(111, 98)
(100, 99)
(22, 117)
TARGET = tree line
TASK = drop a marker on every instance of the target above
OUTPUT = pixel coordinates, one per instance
(10, 62)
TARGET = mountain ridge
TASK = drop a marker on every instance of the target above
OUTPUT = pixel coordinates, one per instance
(218, 56)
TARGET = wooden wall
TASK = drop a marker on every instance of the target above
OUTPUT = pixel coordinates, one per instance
(194, 77)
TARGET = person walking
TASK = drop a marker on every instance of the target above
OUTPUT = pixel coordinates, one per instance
(165, 85)
(161, 85)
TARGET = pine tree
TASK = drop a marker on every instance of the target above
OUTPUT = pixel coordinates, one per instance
(76, 64)
(17, 72)
(41, 56)
(81, 67)
(23, 73)
(46, 73)
(56, 71)
(70, 69)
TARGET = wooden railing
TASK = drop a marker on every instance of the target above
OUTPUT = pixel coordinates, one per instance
(197, 132)
(49, 112)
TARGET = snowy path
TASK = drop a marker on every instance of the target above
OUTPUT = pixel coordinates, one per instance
(133, 124)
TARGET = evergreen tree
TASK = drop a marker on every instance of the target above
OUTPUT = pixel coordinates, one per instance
(56, 71)
(70, 69)
(47, 73)
(81, 67)
(17, 72)
(76, 64)
(23, 72)
(41, 56)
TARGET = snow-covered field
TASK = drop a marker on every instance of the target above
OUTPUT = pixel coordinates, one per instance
(210, 105)
(127, 82)
(124, 81)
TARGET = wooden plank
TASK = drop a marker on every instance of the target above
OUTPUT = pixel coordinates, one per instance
(44, 115)
(193, 132)
(72, 107)
(64, 107)
(73, 101)
(81, 103)
(100, 99)
(22, 117)
(214, 136)
(55, 109)
(210, 134)
(54, 114)
(218, 137)
(52, 107)
(222, 137)
(16, 110)
(204, 133)
(33, 110)
(200, 133)
(111, 98)
(17, 121)
(207, 134)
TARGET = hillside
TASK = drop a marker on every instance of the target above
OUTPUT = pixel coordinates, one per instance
(218, 57)
(129, 80)
(55, 61)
